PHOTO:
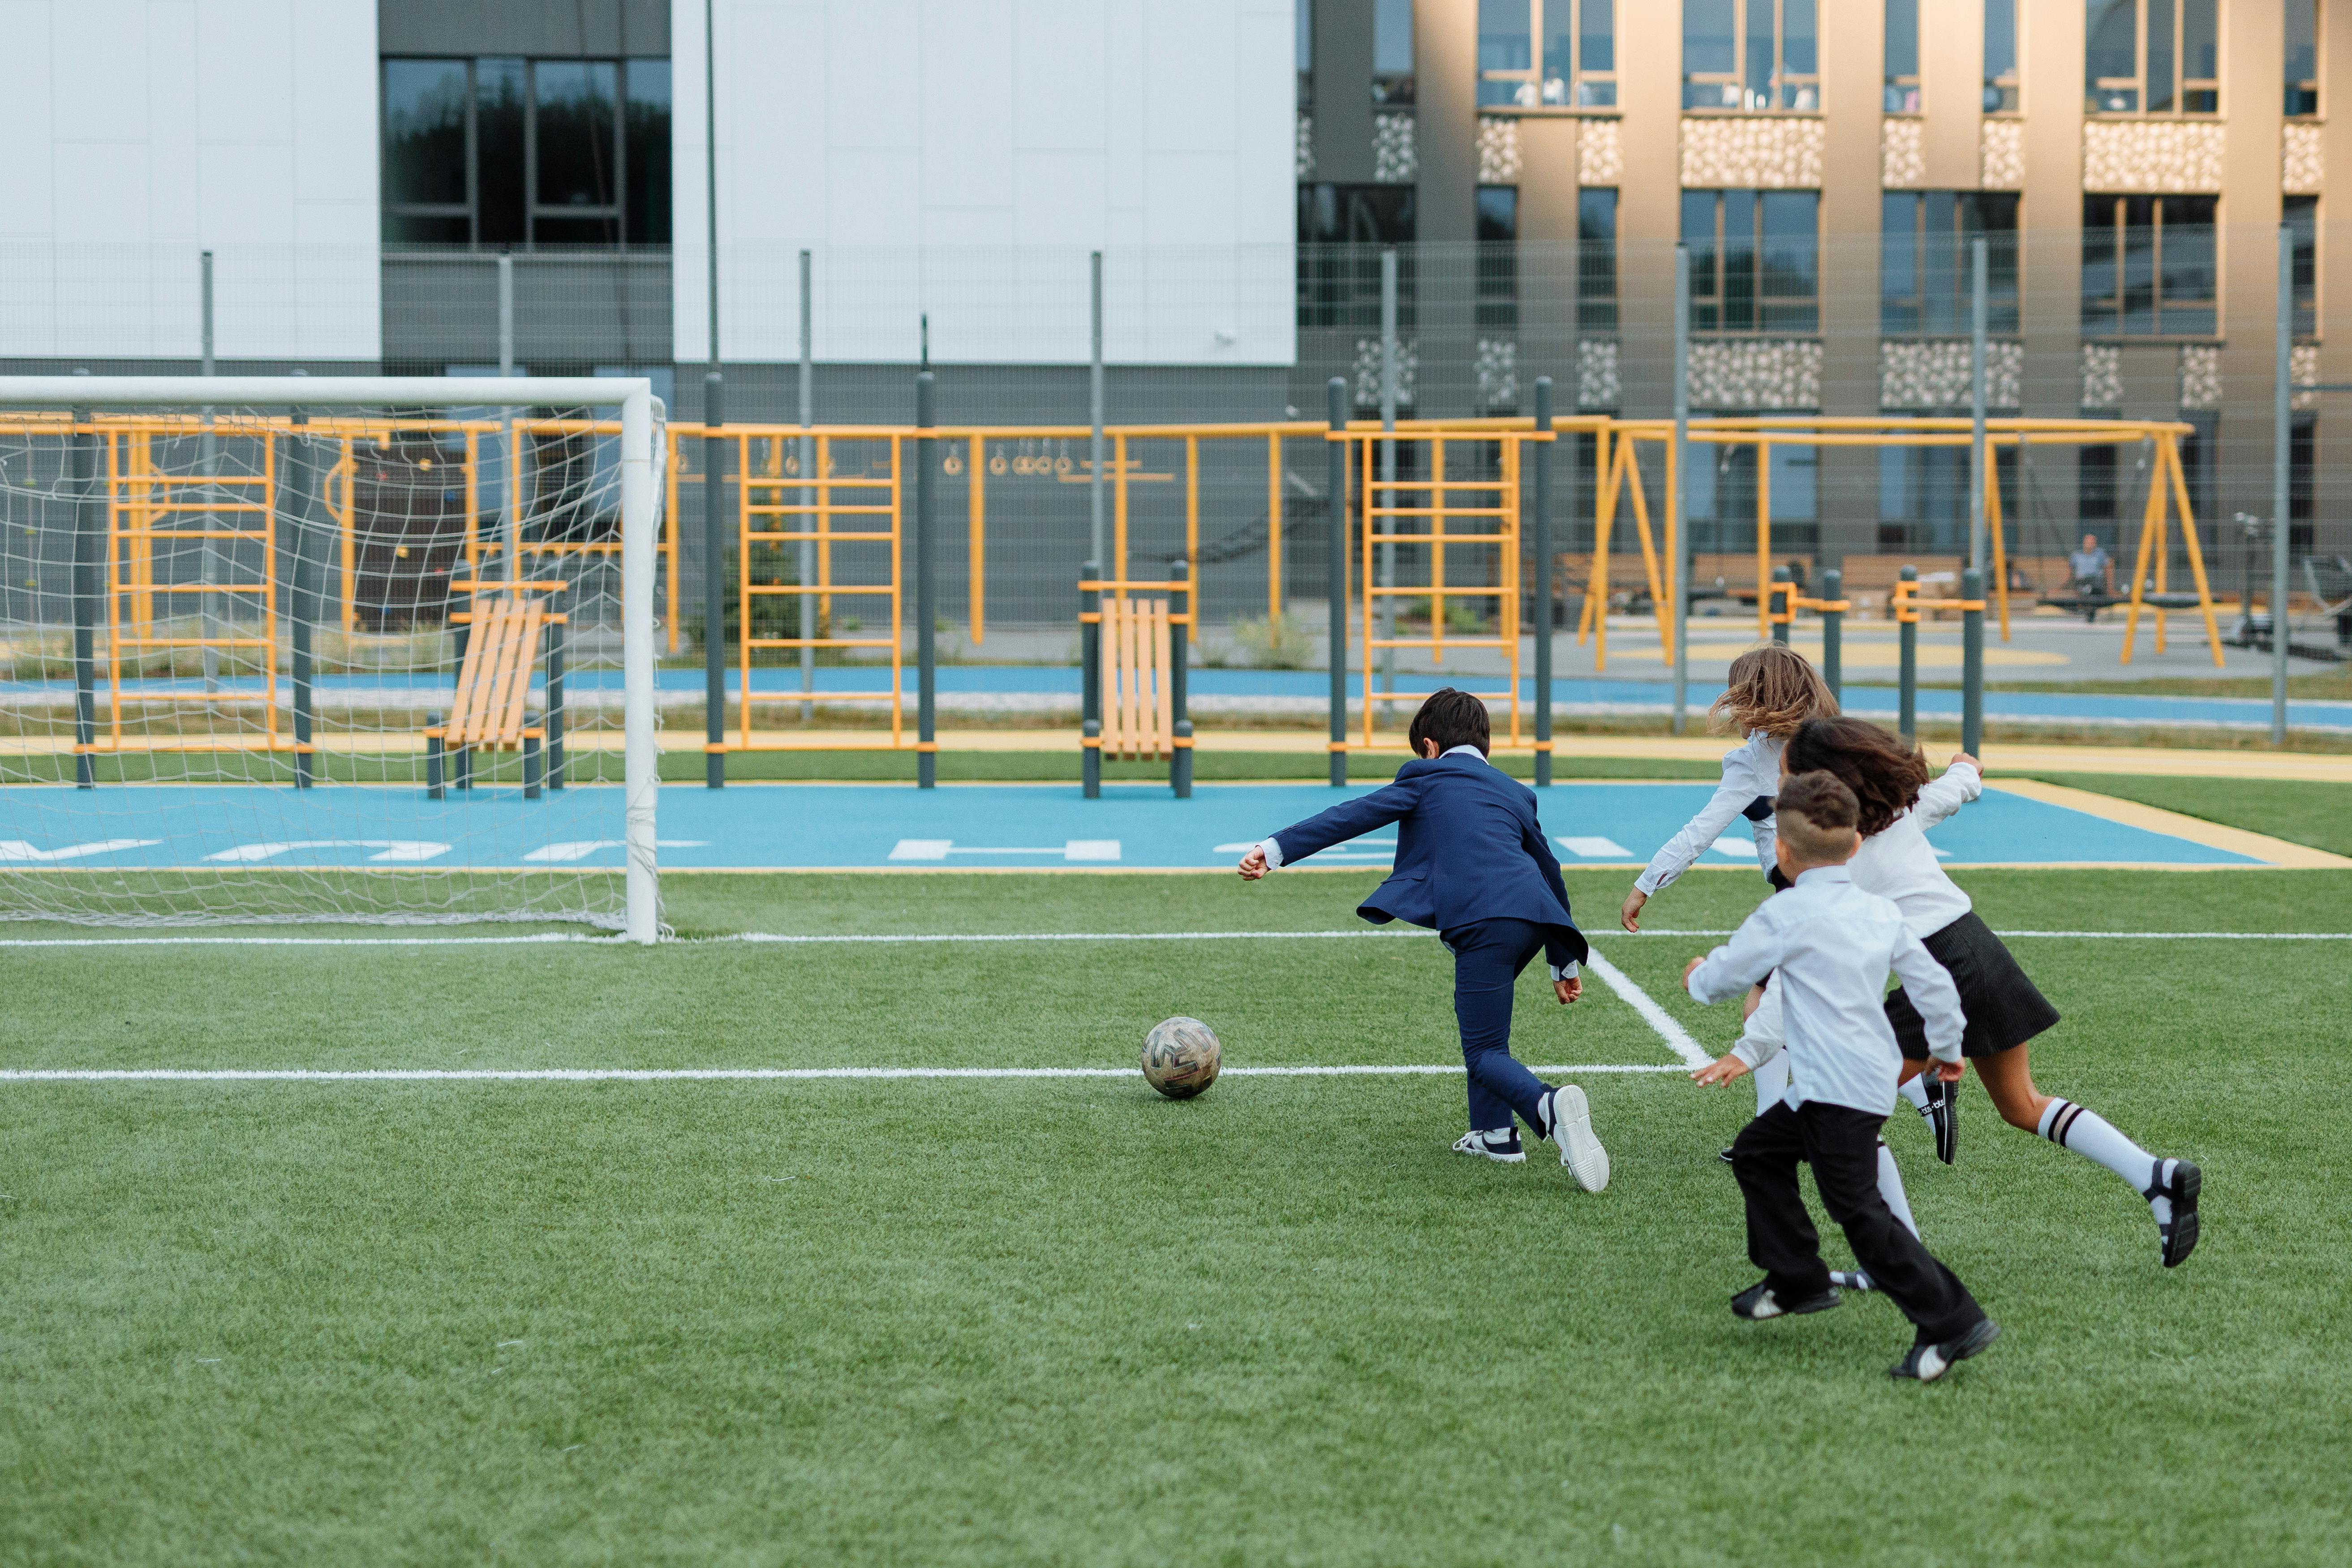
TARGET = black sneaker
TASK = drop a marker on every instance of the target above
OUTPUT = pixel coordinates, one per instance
(1758, 1302)
(1501, 1145)
(2178, 1233)
(1853, 1280)
(1929, 1362)
(1725, 1155)
(1943, 1114)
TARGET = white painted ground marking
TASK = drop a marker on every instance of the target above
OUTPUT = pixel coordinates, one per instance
(1589, 848)
(393, 849)
(581, 849)
(1737, 848)
(696, 1075)
(309, 940)
(1077, 850)
(1678, 1038)
(18, 849)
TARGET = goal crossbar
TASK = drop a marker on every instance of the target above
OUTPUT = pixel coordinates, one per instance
(633, 396)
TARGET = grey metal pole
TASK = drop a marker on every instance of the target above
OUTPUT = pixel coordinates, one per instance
(1387, 617)
(1781, 628)
(1090, 682)
(1833, 634)
(510, 455)
(1179, 756)
(2281, 500)
(1972, 588)
(1336, 407)
(711, 167)
(714, 581)
(1979, 316)
(89, 561)
(1543, 583)
(302, 470)
(208, 457)
(1907, 682)
(1095, 407)
(807, 522)
(926, 584)
(1678, 569)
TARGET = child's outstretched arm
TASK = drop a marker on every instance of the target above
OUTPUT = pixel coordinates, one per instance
(1732, 798)
(1962, 782)
(1348, 819)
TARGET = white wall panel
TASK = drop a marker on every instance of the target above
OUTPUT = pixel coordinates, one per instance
(143, 132)
(962, 157)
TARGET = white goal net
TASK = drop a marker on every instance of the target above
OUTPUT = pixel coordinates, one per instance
(328, 649)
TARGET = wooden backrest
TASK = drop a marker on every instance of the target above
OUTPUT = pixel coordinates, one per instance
(1138, 702)
(494, 681)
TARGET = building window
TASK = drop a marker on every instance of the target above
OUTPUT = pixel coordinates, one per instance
(1392, 51)
(1923, 497)
(499, 151)
(2000, 84)
(1751, 54)
(1596, 258)
(1754, 260)
(1304, 16)
(1498, 258)
(1926, 279)
(1902, 56)
(1547, 54)
(2150, 266)
(1341, 230)
(2302, 57)
(2302, 492)
(1723, 499)
(2301, 217)
(2152, 56)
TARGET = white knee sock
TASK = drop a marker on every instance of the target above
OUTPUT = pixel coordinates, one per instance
(2090, 1135)
(1771, 1082)
(1915, 1090)
(1890, 1187)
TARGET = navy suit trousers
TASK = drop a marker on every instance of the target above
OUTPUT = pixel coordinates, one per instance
(1487, 958)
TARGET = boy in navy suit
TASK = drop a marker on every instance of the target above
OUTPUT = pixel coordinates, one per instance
(1473, 862)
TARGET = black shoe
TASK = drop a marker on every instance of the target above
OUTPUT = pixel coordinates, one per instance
(1929, 1362)
(1758, 1302)
(2178, 1235)
(1725, 1156)
(1853, 1280)
(1943, 1114)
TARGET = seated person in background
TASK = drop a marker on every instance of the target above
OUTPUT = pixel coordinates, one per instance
(2093, 574)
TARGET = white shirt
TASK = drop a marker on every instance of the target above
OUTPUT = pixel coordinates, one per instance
(1833, 944)
(1749, 770)
(1272, 850)
(1898, 863)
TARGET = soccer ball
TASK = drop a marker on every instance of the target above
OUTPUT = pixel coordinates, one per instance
(1181, 1058)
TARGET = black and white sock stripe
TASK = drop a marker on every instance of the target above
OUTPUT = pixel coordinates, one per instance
(2062, 1115)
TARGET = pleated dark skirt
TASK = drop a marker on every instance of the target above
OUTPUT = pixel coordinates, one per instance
(2004, 1007)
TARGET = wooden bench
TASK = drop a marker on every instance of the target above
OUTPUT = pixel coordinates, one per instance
(1135, 655)
(499, 641)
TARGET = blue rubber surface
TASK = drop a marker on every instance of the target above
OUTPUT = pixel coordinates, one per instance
(751, 827)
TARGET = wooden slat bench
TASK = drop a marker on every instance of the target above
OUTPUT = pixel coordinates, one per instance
(1135, 653)
(500, 637)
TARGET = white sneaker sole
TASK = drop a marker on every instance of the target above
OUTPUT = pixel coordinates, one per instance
(1465, 1147)
(1579, 1151)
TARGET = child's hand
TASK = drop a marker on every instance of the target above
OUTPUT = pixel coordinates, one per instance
(1252, 865)
(1568, 990)
(1945, 1072)
(1723, 1069)
(1628, 917)
(1691, 966)
(1959, 757)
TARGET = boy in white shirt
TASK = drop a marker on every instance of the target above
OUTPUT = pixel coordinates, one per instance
(1831, 945)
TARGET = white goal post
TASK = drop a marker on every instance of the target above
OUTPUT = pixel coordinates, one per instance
(139, 502)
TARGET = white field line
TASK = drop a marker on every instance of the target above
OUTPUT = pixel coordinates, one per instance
(1678, 1038)
(670, 1075)
(927, 938)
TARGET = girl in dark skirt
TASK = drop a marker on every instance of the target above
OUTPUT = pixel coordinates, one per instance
(2004, 1008)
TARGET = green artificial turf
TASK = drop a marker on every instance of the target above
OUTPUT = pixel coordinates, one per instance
(1006, 1320)
(2319, 814)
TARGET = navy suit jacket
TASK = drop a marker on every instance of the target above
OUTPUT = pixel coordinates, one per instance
(1469, 848)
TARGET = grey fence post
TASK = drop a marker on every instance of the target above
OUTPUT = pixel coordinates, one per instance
(555, 705)
(302, 468)
(1543, 581)
(1678, 569)
(1090, 680)
(714, 581)
(1179, 756)
(2281, 499)
(1772, 609)
(89, 560)
(1906, 636)
(926, 584)
(1972, 587)
(806, 523)
(1336, 400)
(1833, 634)
(1980, 466)
(1095, 409)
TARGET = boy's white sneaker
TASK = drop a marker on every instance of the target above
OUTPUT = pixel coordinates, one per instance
(1499, 1144)
(1568, 1123)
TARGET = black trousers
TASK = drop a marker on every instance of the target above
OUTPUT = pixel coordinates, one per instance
(1841, 1146)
